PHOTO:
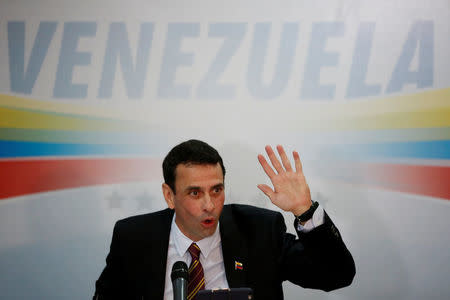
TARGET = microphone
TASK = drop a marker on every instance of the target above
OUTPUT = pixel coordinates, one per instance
(180, 277)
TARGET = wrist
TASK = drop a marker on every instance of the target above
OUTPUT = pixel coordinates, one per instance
(304, 215)
(301, 209)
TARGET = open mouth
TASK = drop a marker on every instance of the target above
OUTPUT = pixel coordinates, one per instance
(208, 222)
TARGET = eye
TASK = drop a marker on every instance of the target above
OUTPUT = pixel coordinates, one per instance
(194, 193)
(217, 190)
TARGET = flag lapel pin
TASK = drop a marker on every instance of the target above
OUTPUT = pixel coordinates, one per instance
(238, 265)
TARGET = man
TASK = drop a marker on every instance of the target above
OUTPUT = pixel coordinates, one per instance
(240, 245)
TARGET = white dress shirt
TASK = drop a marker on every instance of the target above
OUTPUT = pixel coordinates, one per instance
(211, 256)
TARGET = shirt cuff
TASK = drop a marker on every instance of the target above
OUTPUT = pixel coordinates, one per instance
(316, 220)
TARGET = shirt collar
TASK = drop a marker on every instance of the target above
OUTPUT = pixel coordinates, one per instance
(182, 242)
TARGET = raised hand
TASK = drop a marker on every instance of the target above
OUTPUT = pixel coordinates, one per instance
(290, 191)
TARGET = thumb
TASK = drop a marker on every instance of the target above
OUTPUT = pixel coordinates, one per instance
(266, 190)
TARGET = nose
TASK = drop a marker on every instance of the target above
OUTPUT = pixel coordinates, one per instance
(208, 204)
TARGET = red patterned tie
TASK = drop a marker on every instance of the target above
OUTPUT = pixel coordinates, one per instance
(196, 275)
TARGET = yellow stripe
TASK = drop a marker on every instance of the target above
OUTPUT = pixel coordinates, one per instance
(428, 109)
(132, 111)
(416, 101)
(12, 118)
(197, 288)
(193, 266)
(58, 106)
(398, 120)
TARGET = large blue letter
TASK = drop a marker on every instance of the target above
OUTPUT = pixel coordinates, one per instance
(421, 34)
(233, 35)
(22, 81)
(257, 60)
(69, 58)
(173, 58)
(318, 58)
(356, 85)
(118, 49)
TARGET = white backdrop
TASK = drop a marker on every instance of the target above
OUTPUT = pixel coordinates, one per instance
(333, 80)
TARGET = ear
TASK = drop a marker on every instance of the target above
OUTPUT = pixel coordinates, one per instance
(168, 195)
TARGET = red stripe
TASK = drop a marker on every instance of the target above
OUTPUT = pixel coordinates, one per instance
(416, 179)
(21, 177)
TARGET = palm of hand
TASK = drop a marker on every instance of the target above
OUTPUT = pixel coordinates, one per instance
(291, 192)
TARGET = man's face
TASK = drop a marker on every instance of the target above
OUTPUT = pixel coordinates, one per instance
(199, 199)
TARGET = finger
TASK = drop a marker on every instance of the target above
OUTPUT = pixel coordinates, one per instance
(267, 168)
(274, 160)
(266, 190)
(284, 158)
(298, 163)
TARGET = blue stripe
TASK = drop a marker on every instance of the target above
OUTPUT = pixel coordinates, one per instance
(14, 149)
(417, 150)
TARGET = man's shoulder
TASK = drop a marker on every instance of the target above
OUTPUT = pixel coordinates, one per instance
(249, 211)
(251, 221)
(145, 221)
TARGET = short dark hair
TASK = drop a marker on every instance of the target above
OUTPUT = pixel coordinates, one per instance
(189, 152)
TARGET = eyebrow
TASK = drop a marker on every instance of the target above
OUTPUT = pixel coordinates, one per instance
(190, 188)
(219, 185)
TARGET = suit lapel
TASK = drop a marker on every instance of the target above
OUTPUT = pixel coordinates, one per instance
(234, 248)
(155, 258)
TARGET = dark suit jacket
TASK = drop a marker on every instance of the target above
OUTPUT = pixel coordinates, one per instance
(256, 237)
